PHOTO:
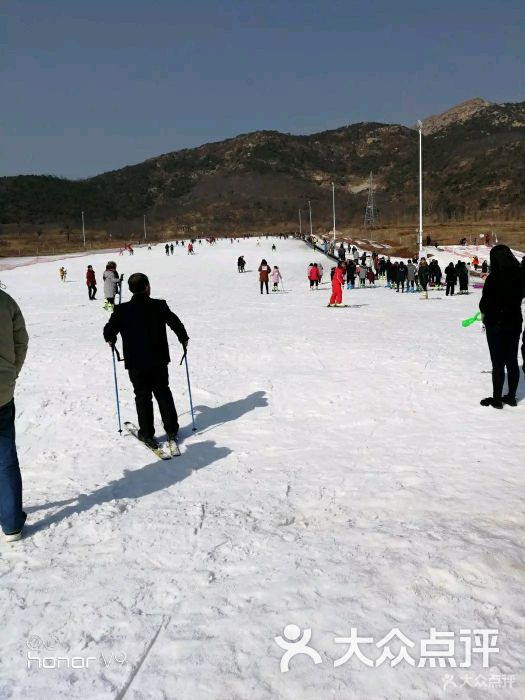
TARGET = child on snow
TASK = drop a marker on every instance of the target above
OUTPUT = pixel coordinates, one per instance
(276, 277)
(313, 276)
(63, 273)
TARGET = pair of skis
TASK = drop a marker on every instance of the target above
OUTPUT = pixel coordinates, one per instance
(165, 450)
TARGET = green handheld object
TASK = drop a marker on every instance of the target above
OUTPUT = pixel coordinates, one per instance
(471, 320)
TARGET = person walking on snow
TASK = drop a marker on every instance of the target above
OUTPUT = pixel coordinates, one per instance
(241, 263)
(111, 284)
(336, 298)
(172, 248)
(167, 248)
(264, 275)
(91, 282)
(320, 270)
(500, 307)
(13, 349)
(142, 324)
(276, 278)
(63, 274)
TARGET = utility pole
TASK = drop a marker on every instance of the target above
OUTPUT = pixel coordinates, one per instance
(370, 211)
(310, 209)
(83, 230)
(420, 241)
(300, 224)
(145, 234)
(333, 206)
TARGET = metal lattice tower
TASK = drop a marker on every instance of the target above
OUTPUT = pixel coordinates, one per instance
(371, 215)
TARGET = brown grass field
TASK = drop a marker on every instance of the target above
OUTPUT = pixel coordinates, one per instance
(56, 241)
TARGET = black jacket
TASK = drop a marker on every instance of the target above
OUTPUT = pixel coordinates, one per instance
(501, 298)
(142, 324)
(450, 274)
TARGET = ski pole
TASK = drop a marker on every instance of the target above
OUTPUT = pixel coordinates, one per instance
(282, 284)
(116, 389)
(185, 359)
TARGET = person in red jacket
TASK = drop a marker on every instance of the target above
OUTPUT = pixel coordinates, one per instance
(337, 286)
(313, 276)
(91, 282)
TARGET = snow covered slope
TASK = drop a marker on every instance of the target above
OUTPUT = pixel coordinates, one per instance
(343, 476)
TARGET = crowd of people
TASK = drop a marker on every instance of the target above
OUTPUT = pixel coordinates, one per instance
(142, 325)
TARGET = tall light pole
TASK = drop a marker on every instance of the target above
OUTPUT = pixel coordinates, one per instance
(145, 234)
(310, 209)
(83, 230)
(300, 224)
(333, 206)
(420, 237)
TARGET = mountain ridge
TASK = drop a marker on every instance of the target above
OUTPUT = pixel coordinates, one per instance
(474, 155)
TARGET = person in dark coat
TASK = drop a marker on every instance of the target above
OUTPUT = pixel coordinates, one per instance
(350, 274)
(91, 282)
(401, 276)
(463, 277)
(437, 274)
(423, 276)
(500, 308)
(450, 278)
(264, 275)
(142, 324)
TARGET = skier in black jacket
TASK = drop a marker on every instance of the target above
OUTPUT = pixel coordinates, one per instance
(142, 324)
(500, 307)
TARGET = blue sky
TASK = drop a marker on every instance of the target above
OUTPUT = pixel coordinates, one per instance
(90, 86)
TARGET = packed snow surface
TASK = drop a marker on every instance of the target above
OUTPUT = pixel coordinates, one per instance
(343, 475)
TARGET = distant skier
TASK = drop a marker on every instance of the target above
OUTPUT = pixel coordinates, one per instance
(142, 324)
(167, 248)
(336, 299)
(172, 248)
(264, 275)
(276, 278)
(274, 247)
(111, 284)
(190, 248)
(63, 274)
(241, 263)
(91, 282)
